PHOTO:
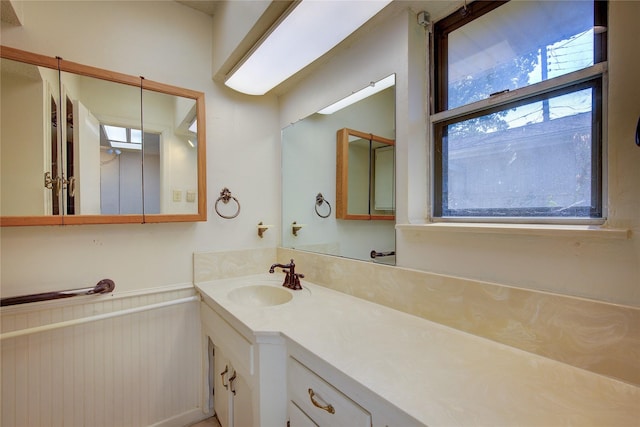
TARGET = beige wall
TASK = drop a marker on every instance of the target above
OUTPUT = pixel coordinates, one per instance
(20, 139)
(586, 265)
(167, 42)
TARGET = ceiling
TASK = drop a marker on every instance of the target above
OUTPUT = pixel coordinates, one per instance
(206, 6)
(437, 9)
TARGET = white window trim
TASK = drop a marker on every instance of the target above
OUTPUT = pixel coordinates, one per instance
(597, 70)
(536, 230)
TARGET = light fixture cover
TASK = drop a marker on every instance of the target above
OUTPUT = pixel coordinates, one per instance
(310, 30)
(126, 145)
(373, 88)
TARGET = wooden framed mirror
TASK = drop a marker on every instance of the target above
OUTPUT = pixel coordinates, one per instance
(364, 176)
(83, 145)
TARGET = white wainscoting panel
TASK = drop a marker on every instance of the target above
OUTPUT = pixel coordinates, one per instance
(132, 370)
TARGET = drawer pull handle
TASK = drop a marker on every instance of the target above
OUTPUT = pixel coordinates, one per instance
(222, 374)
(328, 408)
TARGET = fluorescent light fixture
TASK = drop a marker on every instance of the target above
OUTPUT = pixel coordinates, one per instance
(309, 31)
(126, 145)
(191, 143)
(373, 88)
(194, 126)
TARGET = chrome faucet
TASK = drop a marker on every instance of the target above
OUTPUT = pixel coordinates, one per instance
(292, 279)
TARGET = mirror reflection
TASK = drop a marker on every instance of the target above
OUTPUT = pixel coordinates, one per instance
(29, 138)
(85, 145)
(310, 166)
(102, 150)
(170, 154)
(365, 176)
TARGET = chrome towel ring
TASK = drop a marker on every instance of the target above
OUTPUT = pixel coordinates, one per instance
(225, 196)
(319, 201)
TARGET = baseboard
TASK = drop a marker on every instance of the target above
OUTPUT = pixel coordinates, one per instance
(185, 419)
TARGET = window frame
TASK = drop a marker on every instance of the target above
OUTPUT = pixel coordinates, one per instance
(441, 117)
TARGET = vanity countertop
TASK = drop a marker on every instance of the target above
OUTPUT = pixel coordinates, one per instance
(438, 375)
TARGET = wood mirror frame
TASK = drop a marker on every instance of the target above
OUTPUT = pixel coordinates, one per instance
(144, 84)
(342, 175)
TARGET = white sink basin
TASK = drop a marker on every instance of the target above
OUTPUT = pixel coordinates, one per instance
(260, 295)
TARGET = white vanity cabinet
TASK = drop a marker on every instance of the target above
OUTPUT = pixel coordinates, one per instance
(329, 359)
(233, 368)
(248, 374)
(283, 369)
(320, 395)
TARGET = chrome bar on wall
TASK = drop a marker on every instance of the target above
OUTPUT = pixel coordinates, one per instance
(102, 287)
(88, 319)
(375, 254)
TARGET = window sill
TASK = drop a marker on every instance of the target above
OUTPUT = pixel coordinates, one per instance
(554, 230)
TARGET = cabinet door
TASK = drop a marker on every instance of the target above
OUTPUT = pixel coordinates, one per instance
(221, 400)
(241, 401)
(232, 399)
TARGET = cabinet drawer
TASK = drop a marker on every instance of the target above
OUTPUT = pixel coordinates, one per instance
(236, 346)
(297, 418)
(336, 409)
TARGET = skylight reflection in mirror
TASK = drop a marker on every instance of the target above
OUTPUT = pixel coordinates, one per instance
(121, 137)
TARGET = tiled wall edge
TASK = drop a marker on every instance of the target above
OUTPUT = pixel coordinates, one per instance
(597, 336)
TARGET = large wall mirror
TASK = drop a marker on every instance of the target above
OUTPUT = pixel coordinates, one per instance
(314, 171)
(81, 145)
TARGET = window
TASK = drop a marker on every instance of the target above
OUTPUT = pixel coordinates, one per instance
(517, 111)
(121, 137)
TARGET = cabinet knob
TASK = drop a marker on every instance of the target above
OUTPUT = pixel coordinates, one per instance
(328, 407)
